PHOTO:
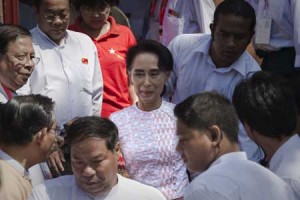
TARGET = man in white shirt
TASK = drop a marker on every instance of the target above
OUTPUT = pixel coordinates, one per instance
(207, 129)
(277, 38)
(217, 61)
(28, 132)
(266, 106)
(169, 18)
(69, 71)
(94, 158)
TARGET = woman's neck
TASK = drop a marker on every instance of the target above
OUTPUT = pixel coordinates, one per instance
(95, 33)
(149, 106)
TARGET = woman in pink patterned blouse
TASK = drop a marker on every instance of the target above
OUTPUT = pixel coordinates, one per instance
(147, 129)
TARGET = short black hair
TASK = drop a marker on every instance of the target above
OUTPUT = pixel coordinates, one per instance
(38, 3)
(238, 8)
(201, 111)
(92, 126)
(24, 116)
(266, 103)
(10, 33)
(94, 3)
(165, 58)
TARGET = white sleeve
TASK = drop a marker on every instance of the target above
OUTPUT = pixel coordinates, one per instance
(97, 95)
(171, 82)
(200, 12)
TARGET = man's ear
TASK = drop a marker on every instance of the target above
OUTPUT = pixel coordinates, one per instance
(215, 135)
(40, 135)
(249, 130)
(250, 39)
(36, 9)
(117, 148)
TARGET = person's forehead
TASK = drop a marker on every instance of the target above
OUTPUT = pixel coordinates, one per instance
(231, 20)
(55, 4)
(21, 44)
(90, 143)
(182, 128)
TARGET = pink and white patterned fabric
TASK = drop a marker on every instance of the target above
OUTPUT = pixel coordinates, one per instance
(148, 141)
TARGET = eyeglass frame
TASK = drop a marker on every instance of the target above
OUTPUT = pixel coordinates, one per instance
(23, 59)
(51, 17)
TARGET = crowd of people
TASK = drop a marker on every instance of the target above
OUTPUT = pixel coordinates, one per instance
(88, 112)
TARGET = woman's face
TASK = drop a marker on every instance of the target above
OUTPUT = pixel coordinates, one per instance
(148, 80)
(17, 64)
(96, 17)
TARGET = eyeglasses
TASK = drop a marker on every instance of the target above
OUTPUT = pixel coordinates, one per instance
(50, 17)
(99, 10)
(23, 59)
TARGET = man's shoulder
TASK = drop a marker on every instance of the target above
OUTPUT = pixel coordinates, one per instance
(79, 38)
(57, 188)
(189, 41)
(138, 190)
(56, 183)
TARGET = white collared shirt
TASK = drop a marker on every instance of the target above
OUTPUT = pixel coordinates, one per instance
(68, 73)
(66, 188)
(233, 177)
(286, 163)
(285, 28)
(195, 72)
(198, 15)
(181, 16)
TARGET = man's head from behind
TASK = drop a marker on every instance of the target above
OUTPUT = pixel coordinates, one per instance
(232, 30)
(265, 105)
(94, 153)
(28, 122)
(207, 126)
(53, 17)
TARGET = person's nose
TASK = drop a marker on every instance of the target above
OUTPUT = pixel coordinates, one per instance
(231, 42)
(147, 81)
(88, 171)
(29, 65)
(57, 20)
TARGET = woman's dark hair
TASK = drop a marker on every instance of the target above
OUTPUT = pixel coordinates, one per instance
(165, 58)
(94, 3)
(24, 116)
(10, 33)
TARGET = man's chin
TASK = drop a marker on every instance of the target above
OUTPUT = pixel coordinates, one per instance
(94, 189)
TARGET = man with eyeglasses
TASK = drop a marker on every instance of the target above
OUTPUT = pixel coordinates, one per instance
(27, 138)
(17, 60)
(69, 71)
